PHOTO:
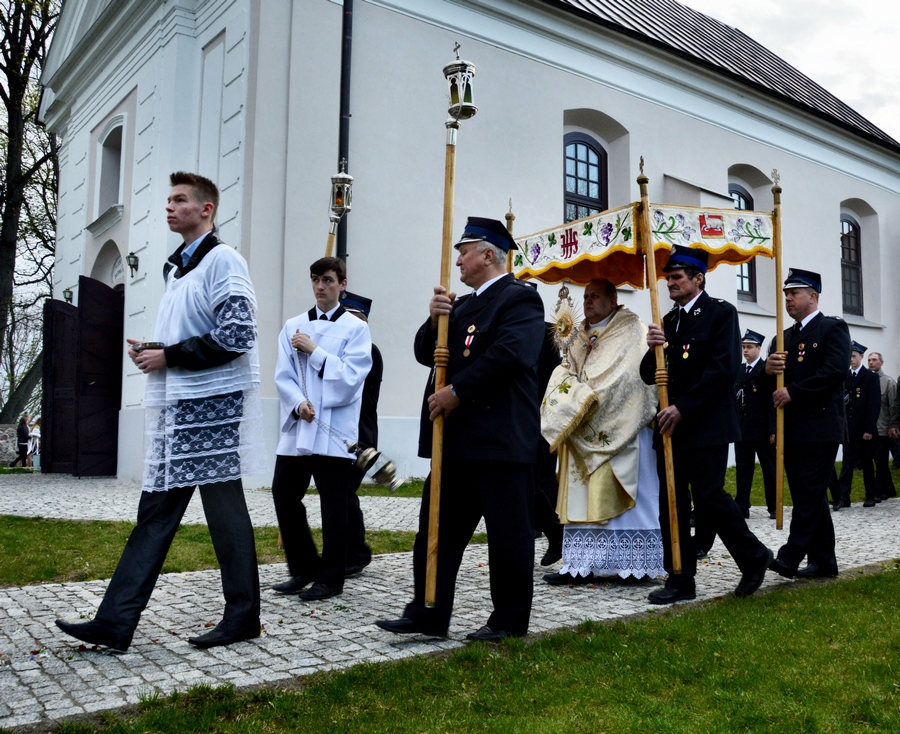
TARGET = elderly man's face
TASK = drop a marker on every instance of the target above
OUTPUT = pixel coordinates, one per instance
(875, 363)
(597, 305)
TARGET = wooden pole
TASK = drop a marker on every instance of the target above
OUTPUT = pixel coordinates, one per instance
(662, 375)
(441, 360)
(779, 347)
(510, 218)
(329, 247)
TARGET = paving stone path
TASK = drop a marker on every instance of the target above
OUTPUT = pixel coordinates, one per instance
(44, 676)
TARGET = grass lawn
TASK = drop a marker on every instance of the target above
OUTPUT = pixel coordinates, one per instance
(806, 658)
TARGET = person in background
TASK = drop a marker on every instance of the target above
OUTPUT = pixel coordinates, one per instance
(884, 482)
(34, 444)
(21, 442)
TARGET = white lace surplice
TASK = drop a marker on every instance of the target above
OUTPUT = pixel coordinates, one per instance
(205, 426)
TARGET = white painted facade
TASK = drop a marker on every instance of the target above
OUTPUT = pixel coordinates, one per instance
(246, 92)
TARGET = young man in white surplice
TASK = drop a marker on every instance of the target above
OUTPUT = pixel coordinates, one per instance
(324, 356)
(203, 426)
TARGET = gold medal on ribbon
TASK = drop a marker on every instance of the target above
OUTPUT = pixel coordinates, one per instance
(466, 353)
(471, 329)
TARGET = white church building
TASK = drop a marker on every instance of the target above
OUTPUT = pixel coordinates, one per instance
(571, 94)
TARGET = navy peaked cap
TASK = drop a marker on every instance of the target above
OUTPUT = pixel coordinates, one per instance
(803, 279)
(857, 347)
(753, 337)
(353, 302)
(687, 257)
(490, 230)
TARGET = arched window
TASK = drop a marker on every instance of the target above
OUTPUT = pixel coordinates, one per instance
(746, 272)
(851, 266)
(110, 170)
(584, 176)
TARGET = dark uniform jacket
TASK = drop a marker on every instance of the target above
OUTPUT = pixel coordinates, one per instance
(755, 405)
(368, 413)
(703, 358)
(862, 396)
(498, 416)
(817, 361)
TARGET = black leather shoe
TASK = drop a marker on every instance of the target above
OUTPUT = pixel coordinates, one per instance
(294, 585)
(567, 579)
(318, 591)
(407, 626)
(745, 511)
(773, 516)
(815, 571)
(226, 633)
(551, 556)
(668, 595)
(701, 554)
(489, 634)
(98, 632)
(750, 582)
(869, 503)
(779, 567)
(355, 570)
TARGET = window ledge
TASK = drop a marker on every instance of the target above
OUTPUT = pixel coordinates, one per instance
(106, 220)
(752, 307)
(860, 321)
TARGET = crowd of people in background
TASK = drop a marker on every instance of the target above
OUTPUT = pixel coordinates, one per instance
(28, 443)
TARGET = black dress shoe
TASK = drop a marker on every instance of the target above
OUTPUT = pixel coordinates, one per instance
(226, 633)
(489, 634)
(668, 595)
(750, 582)
(407, 626)
(551, 556)
(567, 579)
(355, 570)
(98, 632)
(869, 503)
(745, 511)
(701, 554)
(772, 515)
(294, 585)
(815, 571)
(779, 567)
(318, 591)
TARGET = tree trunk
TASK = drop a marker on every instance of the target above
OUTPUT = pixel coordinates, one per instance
(22, 394)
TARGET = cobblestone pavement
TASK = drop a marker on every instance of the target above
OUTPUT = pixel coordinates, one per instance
(65, 497)
(44, 676)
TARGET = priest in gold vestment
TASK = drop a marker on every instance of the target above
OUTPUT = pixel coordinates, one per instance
(596, 415)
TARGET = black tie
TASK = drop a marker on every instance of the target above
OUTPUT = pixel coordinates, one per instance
(323, 317)
(749, 368)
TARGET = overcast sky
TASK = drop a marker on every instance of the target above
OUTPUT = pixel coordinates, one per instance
(850, 47)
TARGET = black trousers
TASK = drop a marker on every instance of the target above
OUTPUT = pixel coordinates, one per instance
(503, 493)
(745, 453)
(700, 473)
(159, 515)
(336, 479)
(884, 482)
(859, 452)
(546, 489)
(808, 467)
(358, 551)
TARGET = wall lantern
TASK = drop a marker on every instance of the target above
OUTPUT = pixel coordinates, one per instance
(133, 262)
(67, 295)
(459, 78)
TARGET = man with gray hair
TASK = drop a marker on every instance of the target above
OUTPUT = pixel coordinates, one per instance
(884, 482)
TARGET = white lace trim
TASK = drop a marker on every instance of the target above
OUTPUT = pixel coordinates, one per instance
(605, 552)
(203, 440)
(235, 325)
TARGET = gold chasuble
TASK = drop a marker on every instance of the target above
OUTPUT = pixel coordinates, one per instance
(592, 414)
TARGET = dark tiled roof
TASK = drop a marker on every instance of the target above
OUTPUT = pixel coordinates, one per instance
(697, 37)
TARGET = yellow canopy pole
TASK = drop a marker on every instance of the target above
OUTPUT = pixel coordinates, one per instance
(662, 375)
(510, 218)
(441, 360)
(329, 246)
(779, 347)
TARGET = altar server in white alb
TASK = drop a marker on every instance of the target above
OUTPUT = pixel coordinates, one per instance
(203, 427)
(324, 356)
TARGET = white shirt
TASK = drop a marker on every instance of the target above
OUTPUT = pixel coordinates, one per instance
(343, 357)
(327, 314)
(690, 305)
(484, 286)
(808, 318)
(752, 364)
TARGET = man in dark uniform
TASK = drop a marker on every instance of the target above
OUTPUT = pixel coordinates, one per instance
(862, 396)
(814, 363)
(757, 428)
(701, 338)
(359, 554)
(491, 432)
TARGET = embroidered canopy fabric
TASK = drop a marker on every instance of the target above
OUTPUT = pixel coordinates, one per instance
(205, 426)
(608, 245)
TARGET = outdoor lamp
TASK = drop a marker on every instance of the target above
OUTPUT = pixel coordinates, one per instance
(133, 262)
(67, 295)
(341, 195)
(459, 78)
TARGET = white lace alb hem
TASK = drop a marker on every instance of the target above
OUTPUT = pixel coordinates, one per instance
(602, 552)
